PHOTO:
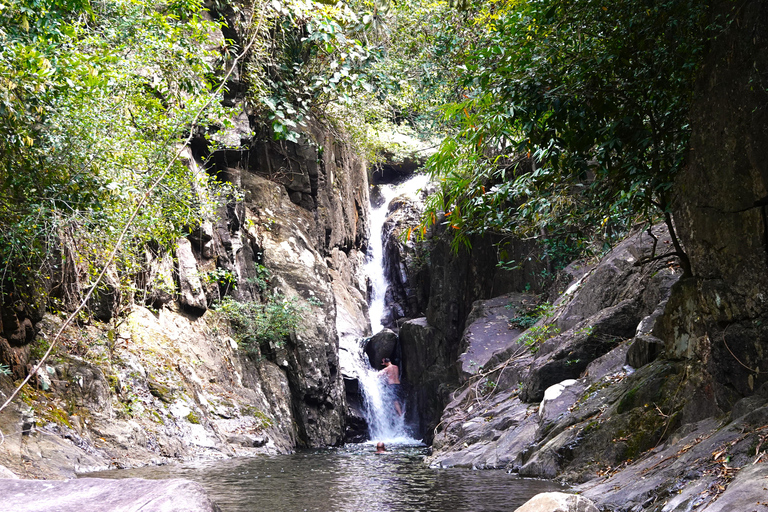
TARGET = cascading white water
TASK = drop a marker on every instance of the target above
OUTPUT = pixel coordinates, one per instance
(384, 423)
(375, 266)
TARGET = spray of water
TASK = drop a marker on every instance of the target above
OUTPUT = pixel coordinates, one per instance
(384, 423)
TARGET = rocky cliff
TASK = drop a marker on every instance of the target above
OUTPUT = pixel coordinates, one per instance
(166, 380)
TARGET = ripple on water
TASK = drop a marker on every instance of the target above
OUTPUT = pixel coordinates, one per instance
(348, 479)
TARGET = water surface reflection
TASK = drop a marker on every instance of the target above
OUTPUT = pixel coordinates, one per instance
(348, 479)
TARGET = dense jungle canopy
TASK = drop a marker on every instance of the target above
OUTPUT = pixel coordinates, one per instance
(563, 120)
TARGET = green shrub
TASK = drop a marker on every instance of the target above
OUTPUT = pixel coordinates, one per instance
(531, 314)
(257, 323)
(537, 335)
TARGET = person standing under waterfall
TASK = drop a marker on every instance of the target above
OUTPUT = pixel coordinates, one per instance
(391, 374)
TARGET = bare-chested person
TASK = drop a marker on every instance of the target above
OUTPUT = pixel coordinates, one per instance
(392, 375)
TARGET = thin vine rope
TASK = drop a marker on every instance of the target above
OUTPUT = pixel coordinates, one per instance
(136, 210)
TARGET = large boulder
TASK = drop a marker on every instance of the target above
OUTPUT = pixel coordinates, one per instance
(558, 502)
(104, 495)
(622, 276)
(191, 293)
(380, 345)
(567, 355)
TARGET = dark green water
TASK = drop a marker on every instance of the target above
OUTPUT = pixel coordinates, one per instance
(348, 479)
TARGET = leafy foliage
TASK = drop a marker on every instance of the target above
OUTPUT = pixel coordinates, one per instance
(573, 122)
(531, 314)
(261, 324)
(94, 98)
(314, 54)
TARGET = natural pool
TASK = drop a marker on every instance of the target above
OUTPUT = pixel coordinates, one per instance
(348, 479)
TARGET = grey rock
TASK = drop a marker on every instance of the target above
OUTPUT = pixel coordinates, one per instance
(489, 330)
(191, 292)
(557, 401)
(425, 368)
(617, 278)
(381, 345)
(558, 502)
(747, 491)
(567, 355)
(247, 440)
(129, 495)
(7, 473)
(643, 350)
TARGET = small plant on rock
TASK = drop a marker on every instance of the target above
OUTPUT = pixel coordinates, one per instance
(530, 314)
(537, 335)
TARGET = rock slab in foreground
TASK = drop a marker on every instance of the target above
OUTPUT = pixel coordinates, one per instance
(104, 495)
(558, 502)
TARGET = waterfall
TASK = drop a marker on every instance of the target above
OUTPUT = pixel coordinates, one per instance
(384, 424)
(375, 266)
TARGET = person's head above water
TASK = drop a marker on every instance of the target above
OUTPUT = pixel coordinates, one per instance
(380, 448)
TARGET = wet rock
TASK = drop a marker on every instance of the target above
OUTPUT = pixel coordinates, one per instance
(175, 495)
(346, 271)
(248, 441)
(356, 426)
(558, 502)
(395, 170)
(382, 344)
(404, 261)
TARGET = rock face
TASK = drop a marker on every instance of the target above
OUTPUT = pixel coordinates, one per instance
(164, 388)
(490, 330)
(382, 344)
(405, 262)
(105, 495)
(720, 314)
(451, 283)
(173, 383)
(548, 401)
(692, 470)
